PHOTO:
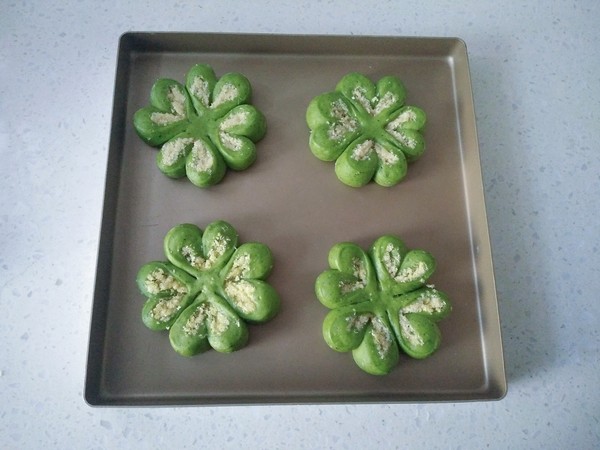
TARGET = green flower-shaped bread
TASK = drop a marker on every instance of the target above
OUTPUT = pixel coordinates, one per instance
(366, 129)
(380, 303)
(202, 127)
(208, 289)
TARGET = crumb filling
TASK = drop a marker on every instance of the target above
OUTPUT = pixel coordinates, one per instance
(215, 319)
(164, 310)
(160, 281)
(174, 149)
(430, 304)
(215, 252)
(392, 259)
(201, 158)
(395, 130)
(231, 121)
(412, 273)
(232, 142)
(234, 120)
(364, 150)
(357, 322)
(381, 336)
(376, 105)
(227, 138)
(227, 93)
(379, 331)
(241, 292)
(409, 332)
(359, 271)
(344, 122)
(386, 156)
(177, 99)
(199, 88)
(406, 116)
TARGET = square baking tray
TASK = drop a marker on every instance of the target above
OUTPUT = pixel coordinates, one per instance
(294, 203)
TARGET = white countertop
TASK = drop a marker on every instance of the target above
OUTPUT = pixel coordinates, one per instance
(536, 84)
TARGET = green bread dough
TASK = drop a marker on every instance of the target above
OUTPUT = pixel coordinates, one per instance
(379, 303)
(208, 289)
(202, 127)
(366, 129)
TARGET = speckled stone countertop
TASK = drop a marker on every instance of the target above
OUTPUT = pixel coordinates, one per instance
(535, 71)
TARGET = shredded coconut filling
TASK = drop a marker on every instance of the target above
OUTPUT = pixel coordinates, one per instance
(392, 259)
(409, 332)
(232, 142)
(159, 281)
(202, 159)
(166, 308)
(363, 150)
(173, 150)
(192, 257)
(239, 268)
(356, 322)
(227, 93)
(233, 120)
(177, 99)
(360, 273)
(346, 287)
(360, 96)
(400, 136)
(411, 273)
(425, 304)
(217, 321)
(242, 293)
(379, 331)
(216, 251)
(388, 100)
(385, 102)
(199, 89)
(406, 116)
(386, 156)
(381, 336)
(344, 123)
(164, 118)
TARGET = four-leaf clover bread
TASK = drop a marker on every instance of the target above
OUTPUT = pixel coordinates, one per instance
(380, 303)
(202, 127)
(208, 289)
(366, 129)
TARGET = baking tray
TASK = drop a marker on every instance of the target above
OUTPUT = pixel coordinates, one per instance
(294, 203)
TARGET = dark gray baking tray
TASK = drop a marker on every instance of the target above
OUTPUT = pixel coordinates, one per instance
(294, 203)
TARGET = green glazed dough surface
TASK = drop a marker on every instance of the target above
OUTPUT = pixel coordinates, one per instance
(208, 289)
(201, 127)
(366, 129)
(380, 303)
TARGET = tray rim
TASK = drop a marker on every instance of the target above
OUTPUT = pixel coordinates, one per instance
(260, 44)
